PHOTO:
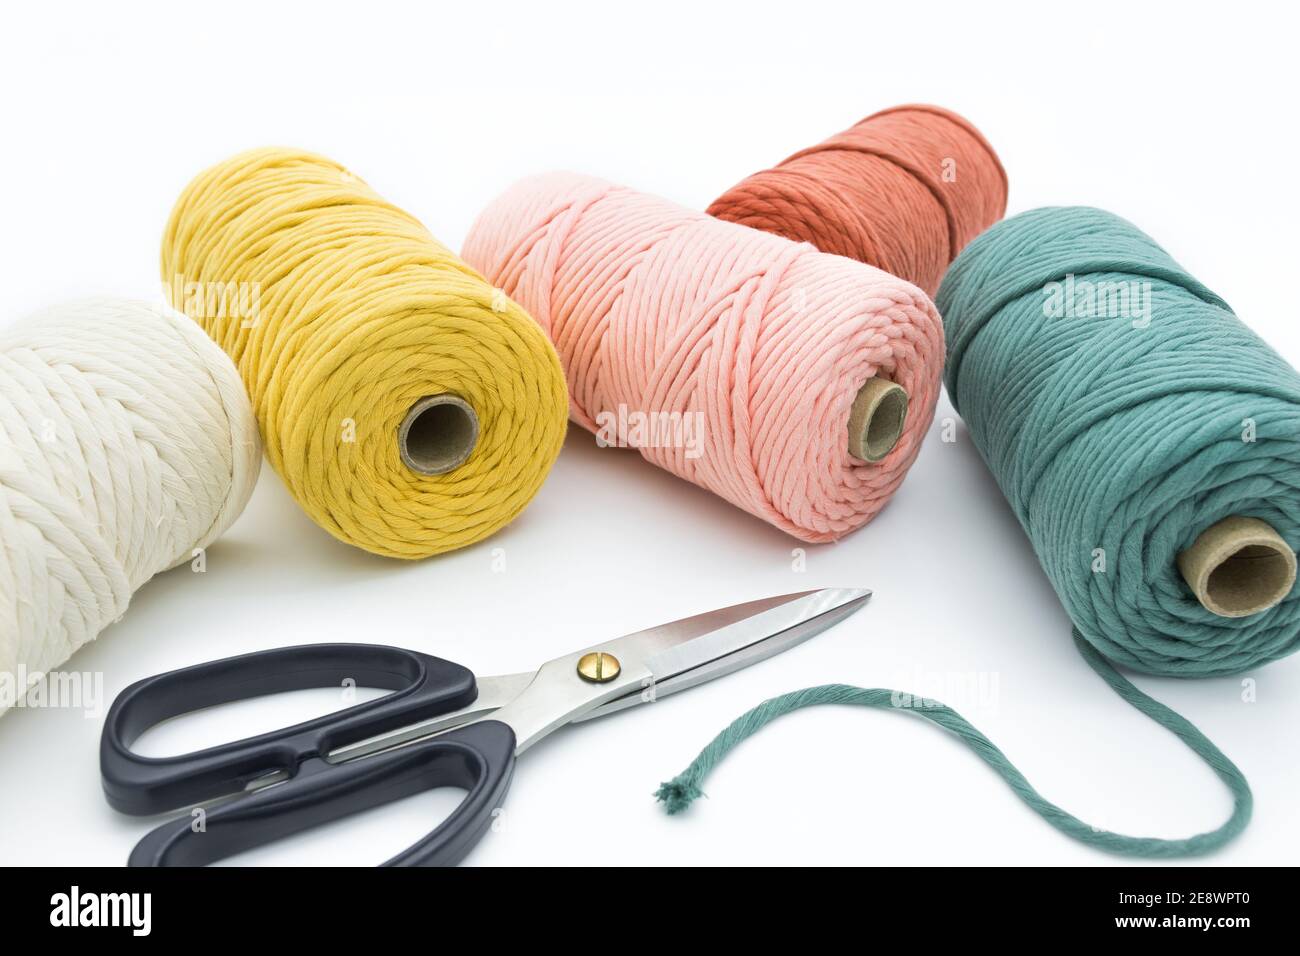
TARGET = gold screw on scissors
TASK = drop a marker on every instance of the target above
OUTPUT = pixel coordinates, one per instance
(598, 667)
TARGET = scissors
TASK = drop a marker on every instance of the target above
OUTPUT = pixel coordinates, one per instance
(439, 727)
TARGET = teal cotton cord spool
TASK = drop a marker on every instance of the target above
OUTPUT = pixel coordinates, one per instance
(1122, 435)
(1124, 410)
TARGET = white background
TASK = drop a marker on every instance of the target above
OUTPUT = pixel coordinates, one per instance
(1182, 120)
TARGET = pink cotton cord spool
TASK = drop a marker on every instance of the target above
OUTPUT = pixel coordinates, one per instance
(904, 190)
(764, 342)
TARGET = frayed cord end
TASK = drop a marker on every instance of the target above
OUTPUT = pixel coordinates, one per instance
(678, 794)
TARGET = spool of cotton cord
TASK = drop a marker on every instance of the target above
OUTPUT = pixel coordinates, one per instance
(810, 378)
(126, 444)
(410, 407)
(1149, 443)
(903, 190)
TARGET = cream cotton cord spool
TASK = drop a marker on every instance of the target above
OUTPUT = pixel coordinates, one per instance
(126, 444)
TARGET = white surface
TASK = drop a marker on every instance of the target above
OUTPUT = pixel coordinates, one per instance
(1182, 121)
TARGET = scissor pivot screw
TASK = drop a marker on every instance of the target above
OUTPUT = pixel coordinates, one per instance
(598, 667)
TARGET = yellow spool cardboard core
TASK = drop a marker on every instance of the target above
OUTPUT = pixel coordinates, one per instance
(877, 418)
(438, 434)
(1238, 566)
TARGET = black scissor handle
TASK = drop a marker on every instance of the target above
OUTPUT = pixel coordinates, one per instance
(479, 758)
(423, 687)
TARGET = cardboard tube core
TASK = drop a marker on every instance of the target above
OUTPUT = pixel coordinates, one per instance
(437, 434)
(877, 418)
(1238, 566)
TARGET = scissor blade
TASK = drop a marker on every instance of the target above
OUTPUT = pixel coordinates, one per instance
(673, 649)
(673, 657)
(732, 662)
(559, 696)
(493, 693)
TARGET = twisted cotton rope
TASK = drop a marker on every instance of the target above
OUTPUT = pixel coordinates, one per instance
(658, 309)
(360, 314)
(680, 792)
(1125, 433)
(904, 190)
(1119, 431)
(126, 442)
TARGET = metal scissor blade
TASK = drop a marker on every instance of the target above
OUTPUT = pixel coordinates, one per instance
(732, 662)
(493, 694)
(656, 662)
(558, 695)
(673, 654)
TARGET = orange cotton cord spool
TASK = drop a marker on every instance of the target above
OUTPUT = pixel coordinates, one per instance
(903, 190)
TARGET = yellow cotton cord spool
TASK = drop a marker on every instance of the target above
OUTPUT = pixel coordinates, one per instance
(343, 314)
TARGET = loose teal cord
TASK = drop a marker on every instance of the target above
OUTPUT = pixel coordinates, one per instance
(678, 794)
